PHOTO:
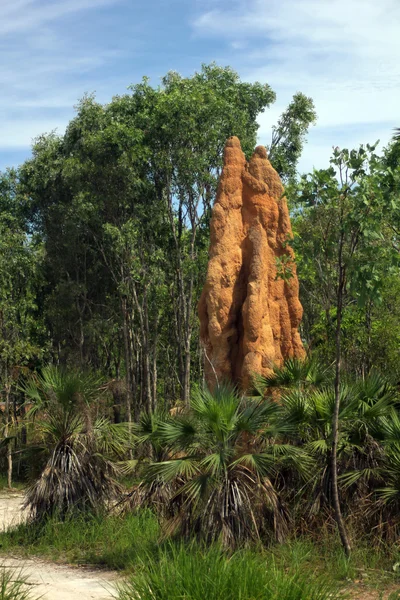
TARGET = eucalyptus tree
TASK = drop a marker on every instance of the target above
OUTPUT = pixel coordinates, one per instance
(289, 135)
(123, 202)
(186, 123)
(21, 333)
(347, 207)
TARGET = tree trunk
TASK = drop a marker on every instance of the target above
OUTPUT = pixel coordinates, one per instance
(128, 393)
(6, 432)
(335, 419)
(186, 376)
(128, 401)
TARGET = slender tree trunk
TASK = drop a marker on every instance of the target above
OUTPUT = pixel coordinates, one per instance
(186, 375)
(154, 403)
(6, 432)
(149, 389)
(335, 421)
(128, 400)
(154, 368)
(187, 333)
(128, 392)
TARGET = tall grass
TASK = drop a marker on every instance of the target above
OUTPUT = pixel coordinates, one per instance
(13, 585)
(182, 572)
(132, 542)
(115, 542)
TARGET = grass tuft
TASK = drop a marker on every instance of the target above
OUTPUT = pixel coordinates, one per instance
(13, 585)
(194, 573)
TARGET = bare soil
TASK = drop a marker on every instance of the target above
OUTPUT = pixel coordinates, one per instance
(10, 509)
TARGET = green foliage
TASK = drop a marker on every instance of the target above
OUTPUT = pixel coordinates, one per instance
(288, 136)
(20, 260)
(122, 204)
(108, 540)
(224, 457)
(353, 201)
(74, 450)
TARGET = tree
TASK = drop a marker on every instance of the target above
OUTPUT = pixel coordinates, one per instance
(21, 330)
(123, 202)
(288, 135)
(187, 121)
(348, 204)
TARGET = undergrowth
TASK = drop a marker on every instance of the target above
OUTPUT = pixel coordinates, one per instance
(195, 573)
(133, 543)
(114, 542)
(16, 484)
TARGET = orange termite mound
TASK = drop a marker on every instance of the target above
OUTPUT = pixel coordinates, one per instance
(249, 309)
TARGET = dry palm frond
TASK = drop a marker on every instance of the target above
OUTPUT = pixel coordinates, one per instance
(79, 472)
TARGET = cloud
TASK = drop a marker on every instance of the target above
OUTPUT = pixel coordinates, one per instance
(345, 54)
(47, 63)
(20, 134)
(27, 15)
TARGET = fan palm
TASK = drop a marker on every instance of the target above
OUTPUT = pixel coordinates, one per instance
(77, 447)
(224, 463)
(365, 407)
(305, 373)
(149, 447)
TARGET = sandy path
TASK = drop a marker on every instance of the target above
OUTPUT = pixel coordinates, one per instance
(60, 582)
(10, 509)
(48, 580)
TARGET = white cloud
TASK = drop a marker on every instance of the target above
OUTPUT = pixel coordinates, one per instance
(44, 66)
(19, 134)
(26, 15)
(345, 54)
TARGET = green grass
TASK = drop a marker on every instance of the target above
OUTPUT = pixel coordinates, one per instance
(13, 585)
(132, 543)
(115, 542)
(369, 563)
(194, 573)
(16, 485)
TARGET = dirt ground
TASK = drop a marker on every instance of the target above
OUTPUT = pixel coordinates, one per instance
(10, 509)
(60, 582)
(47, 580)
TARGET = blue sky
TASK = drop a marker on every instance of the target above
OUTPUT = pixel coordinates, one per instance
(343, 53)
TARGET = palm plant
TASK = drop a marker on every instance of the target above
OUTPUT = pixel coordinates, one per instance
(149, 448)
(306, 373)
(224, 462)
(384, 508)
(74, 444)
(365, 406)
